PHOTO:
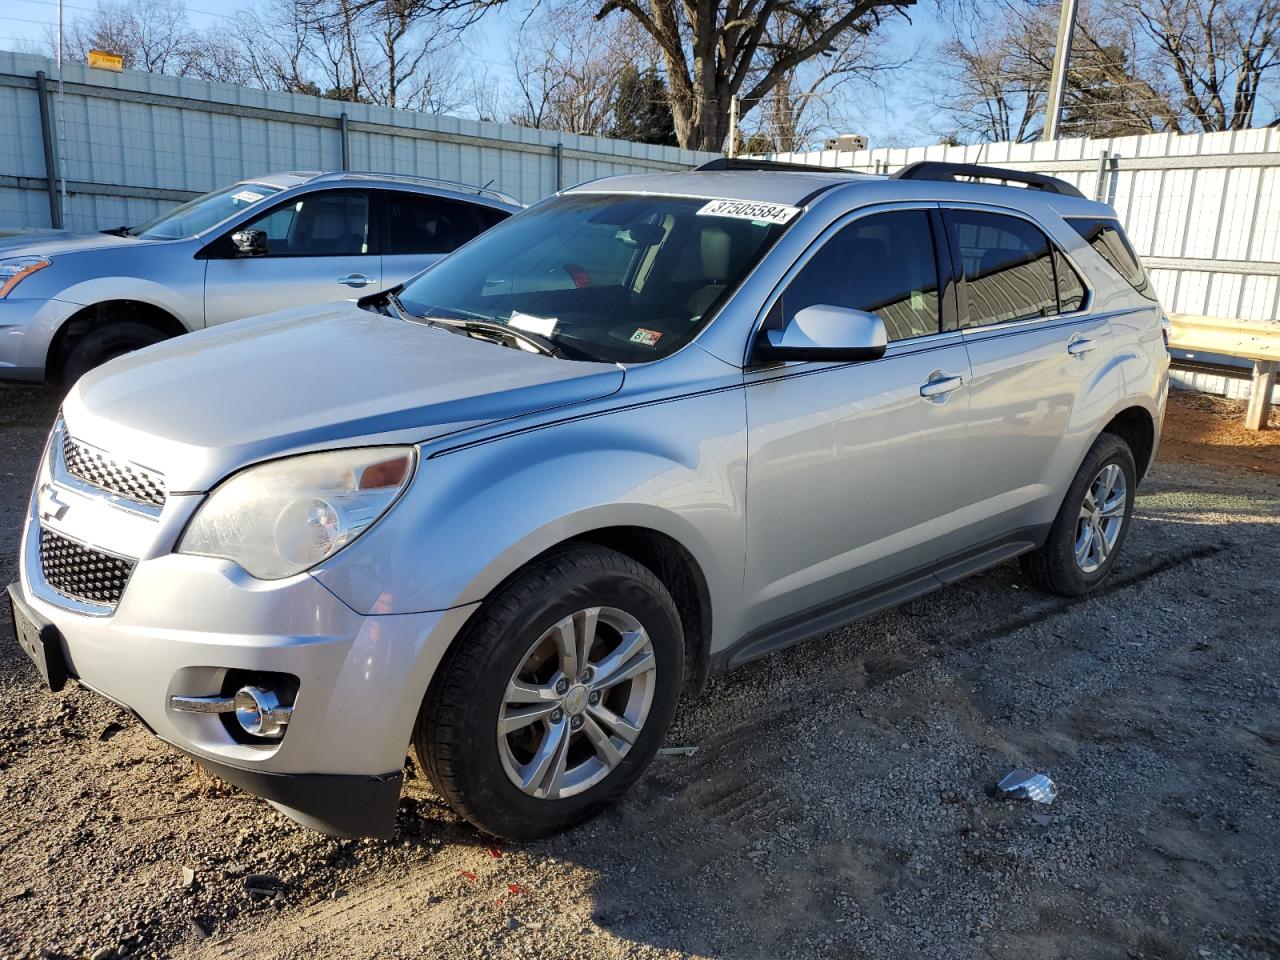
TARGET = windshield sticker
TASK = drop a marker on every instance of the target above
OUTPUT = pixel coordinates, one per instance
(247, 196)
(749, 210)
(543, 326)
(649, 338)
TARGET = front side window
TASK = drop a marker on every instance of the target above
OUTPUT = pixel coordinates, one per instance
(420, 223)
(620, 278)
(1007, 264)
(196, 216)
(883, 264)
(330, 223)
(1108, 239)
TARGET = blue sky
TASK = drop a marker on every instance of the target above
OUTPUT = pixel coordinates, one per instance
(895, 114)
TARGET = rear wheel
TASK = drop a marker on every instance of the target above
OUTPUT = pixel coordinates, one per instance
(556, 697)
(105, 343)
(1091, 525)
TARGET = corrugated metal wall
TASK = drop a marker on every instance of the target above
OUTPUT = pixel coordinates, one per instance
(1203, 210)
(131, 144)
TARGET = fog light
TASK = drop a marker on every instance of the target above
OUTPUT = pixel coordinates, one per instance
(260, 712)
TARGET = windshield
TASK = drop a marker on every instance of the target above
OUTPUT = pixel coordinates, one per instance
(605, 277)
(204, 212)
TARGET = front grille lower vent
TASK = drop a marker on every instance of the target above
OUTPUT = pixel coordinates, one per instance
(81, 572)
(127, 480)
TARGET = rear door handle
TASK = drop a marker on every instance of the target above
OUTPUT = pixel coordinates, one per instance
(355, 280)
(939, 385)
(1078, 348)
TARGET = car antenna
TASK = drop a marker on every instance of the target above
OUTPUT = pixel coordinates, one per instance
(486, 186)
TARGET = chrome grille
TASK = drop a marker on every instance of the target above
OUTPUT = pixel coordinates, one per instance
(81, 572)
(127, 480)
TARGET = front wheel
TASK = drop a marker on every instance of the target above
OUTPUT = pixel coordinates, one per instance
(1091, 525)
(557, 695)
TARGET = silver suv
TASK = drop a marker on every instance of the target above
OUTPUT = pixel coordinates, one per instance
(644, 431)
(69, 302)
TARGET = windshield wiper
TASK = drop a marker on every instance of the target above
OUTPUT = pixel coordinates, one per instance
(118, 232)
(540, 343)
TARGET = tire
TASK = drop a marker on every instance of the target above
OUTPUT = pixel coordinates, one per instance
(1056, 566)
(105, 343)
(513, 639)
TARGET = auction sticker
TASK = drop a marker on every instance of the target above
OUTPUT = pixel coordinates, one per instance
(749, 210)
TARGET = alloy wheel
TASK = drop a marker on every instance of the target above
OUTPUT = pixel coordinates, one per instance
(576, 703)
(1102, 517)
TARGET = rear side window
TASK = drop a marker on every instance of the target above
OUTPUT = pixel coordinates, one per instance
(1107, 237)
(1007, 264)
(883, 264)
(419, 223)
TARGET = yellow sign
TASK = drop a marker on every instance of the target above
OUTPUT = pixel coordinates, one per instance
(106, 61)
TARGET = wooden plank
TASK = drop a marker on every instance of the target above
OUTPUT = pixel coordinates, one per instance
(1264, 381)
(1248, 339)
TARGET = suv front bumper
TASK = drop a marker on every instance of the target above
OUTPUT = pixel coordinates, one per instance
(185, 625)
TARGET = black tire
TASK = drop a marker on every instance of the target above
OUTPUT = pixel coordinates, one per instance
(456, 733)
(1054, 566)
(105, 343)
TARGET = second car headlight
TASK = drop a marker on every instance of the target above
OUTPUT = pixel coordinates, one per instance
(16, 269)
(281, 518)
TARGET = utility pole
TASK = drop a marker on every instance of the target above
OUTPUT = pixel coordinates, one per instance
(1061, 63)
(733, 126)
(62, 139)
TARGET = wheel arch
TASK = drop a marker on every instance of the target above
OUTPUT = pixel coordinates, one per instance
(1136, 426)
(104, 312)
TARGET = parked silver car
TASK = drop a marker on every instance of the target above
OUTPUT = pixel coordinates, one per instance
(648, 429)
(69, 301)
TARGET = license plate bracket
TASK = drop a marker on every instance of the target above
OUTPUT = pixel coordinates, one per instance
(40, 640)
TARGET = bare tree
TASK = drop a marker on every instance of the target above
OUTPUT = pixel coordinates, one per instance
(150, 35)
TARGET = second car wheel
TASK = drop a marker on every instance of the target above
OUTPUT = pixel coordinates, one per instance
(557, 695)
(1091, 524)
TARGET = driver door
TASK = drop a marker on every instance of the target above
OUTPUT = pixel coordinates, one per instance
(853, 468)
(319, 249)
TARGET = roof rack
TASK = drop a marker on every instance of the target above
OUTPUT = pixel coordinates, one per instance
(941, 170)
(738, 163)
(455, 185)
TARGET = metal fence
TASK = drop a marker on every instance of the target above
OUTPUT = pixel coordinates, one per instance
(1203, 210)
(130, 144)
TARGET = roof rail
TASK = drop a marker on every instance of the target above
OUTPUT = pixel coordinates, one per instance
(941, 170)
(455, 185)
(739, 163)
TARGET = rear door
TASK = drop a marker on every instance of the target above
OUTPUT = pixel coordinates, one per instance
(321, 246)
(1035, 350)
(420, 228)
(852, 467)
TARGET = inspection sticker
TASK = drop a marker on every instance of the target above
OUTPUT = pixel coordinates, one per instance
(749, 210)
(649, 338)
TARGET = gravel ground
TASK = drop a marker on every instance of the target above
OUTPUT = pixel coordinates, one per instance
(839, 803)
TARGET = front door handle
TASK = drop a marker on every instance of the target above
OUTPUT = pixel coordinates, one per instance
(355, 280)
(1079, 347)
(939, 385)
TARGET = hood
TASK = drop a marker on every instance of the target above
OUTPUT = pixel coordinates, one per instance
(202, 405)
(18, 242)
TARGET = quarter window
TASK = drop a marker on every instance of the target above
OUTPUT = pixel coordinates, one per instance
(883, 264)
(332, 223)
(1070, 286)
(1007, 265)
(1106, 237)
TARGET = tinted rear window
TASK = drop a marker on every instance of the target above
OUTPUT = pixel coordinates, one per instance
(1107, 237)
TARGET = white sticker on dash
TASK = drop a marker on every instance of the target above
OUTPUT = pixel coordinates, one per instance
(247, 196)
(542, 326)
(749, 210)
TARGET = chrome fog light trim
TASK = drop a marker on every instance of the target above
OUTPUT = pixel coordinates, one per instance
(259, 712)
(202, 704)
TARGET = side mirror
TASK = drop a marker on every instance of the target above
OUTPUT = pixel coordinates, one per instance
(826, 332)
(250, 243)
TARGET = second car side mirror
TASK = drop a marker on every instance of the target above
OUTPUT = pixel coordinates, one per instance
(826, 332)
(250, 243)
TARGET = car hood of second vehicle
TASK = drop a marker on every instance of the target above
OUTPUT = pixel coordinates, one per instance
(22, 242)
(201, 406)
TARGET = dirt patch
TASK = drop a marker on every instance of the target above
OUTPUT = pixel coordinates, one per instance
(1200, 428)
(839, 804)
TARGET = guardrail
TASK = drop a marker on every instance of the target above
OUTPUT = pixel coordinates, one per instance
(1254, 340)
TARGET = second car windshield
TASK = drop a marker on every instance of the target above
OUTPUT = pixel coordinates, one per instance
(605, 277)
(200, 214)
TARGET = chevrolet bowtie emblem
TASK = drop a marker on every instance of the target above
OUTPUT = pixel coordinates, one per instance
(51, 508)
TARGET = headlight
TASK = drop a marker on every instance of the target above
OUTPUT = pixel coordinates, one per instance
(281, 518)
(16, 269)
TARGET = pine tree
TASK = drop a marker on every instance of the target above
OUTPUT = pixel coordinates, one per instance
(641, 110)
